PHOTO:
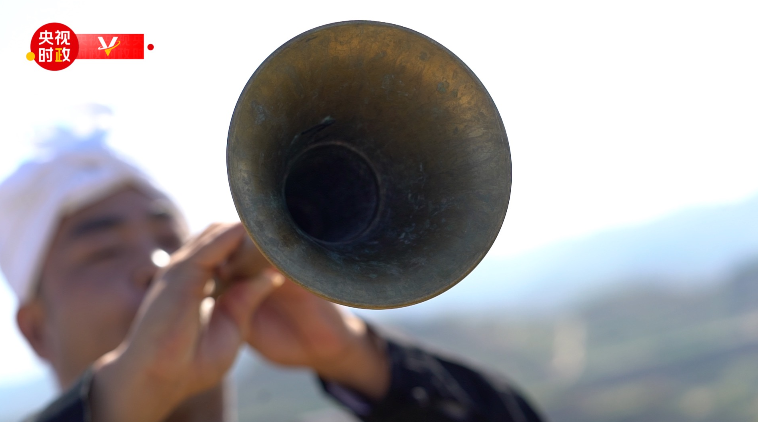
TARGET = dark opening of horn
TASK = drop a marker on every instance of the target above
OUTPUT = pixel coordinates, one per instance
(332, 193)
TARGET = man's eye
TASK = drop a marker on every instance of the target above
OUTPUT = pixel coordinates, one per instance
(105, 254)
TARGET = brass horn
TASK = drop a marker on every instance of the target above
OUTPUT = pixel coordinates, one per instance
(369, 164)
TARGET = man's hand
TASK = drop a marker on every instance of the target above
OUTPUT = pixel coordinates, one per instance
(294, 327)
(171, 353)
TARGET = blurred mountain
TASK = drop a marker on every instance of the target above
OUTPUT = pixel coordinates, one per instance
(636, 355)
(682, 251)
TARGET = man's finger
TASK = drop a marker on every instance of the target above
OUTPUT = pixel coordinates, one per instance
(242, 299)
(213, 246)
(230, 320)
(180, 288)
(244, 263)
(193, 266)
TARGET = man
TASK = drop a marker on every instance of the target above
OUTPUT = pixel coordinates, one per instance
(134, 337)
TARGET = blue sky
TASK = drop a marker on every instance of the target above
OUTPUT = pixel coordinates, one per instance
(617, 112)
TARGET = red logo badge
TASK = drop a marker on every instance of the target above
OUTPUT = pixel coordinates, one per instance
(55, 46)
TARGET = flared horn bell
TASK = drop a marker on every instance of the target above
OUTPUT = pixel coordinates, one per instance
(369, 164)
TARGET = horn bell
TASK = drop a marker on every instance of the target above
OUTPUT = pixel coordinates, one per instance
(369, 164)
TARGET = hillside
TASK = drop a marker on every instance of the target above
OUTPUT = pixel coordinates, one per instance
(638, 356)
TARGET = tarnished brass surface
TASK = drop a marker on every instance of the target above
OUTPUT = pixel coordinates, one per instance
(369, 164)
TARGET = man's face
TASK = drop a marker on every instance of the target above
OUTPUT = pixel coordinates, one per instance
(95, 275)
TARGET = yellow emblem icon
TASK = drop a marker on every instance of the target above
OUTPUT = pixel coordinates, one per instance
(114, 43)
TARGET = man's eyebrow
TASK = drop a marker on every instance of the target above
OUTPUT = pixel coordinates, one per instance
(95, 225)
(160, 210)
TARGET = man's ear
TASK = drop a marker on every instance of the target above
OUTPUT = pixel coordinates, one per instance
(31, 321)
